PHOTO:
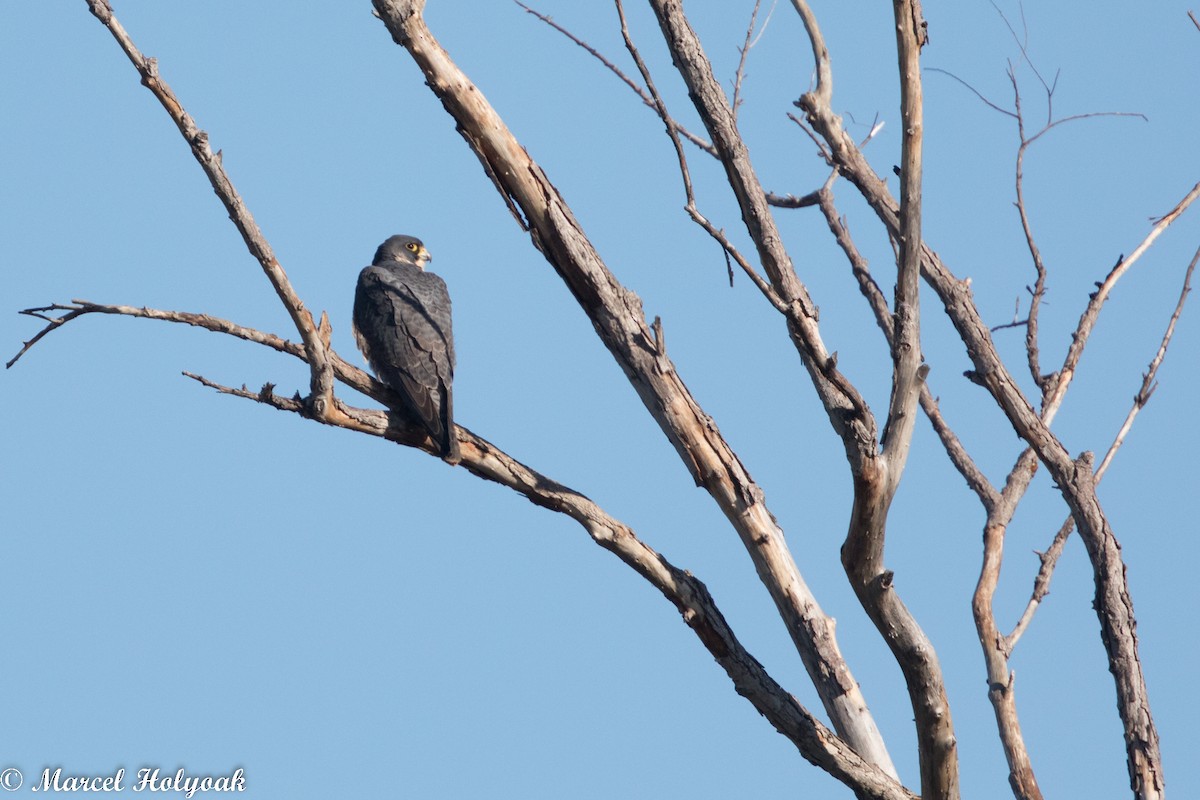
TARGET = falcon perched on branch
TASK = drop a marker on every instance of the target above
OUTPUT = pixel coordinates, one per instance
(402, 325)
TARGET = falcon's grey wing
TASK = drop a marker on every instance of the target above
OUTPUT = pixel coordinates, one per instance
(402, 323)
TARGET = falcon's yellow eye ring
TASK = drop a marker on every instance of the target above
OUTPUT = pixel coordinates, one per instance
(411, 246)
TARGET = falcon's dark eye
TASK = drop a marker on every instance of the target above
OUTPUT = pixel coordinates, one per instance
(412, 246)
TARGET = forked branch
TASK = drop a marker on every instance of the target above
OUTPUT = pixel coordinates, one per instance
(1049, 559)
(1046, 383)
(875, 488)
(321, 383)
(1073, 477)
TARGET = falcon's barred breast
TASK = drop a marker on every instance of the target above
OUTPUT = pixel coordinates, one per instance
(402, 325)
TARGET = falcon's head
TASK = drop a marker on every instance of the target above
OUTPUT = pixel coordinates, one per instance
(402, 250)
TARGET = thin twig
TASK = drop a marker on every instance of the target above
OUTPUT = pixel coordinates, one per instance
(716, 233)
(344, 371)
(1087, 320)
(1032, 356)
(989, 103)
(822, 150)
(782, 201)
(54, 323)
(1016, 323)
(1048, 384)
(1088, 115)
(743, 54)
(1022, 42)
(614, 69)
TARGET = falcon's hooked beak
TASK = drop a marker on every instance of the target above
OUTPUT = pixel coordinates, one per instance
(423, 257)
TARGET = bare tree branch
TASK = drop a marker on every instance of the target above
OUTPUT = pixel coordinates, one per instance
(989, 103)
(822, 65)
(690, 596)
(690, 207)
(646, 97)
(1000, 692)
(1021, 775)
(1073, 477)
(1039, 286)
(958, 454)
(997, 648)
(1087, 321)
(743, 54)
(483, 459)
(875, 482)
(844, 406)
(53, 324)
(78, 308)
(862, 553)
(1038, 291)
(618, 318)
(343, 371)
(321, 385)
(1041, 584)
(906, 347)
(782, 201)
(979, 483)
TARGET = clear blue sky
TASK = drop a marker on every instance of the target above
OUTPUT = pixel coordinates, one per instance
(199, 581)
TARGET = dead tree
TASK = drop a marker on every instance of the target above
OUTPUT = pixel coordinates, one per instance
(876, 447)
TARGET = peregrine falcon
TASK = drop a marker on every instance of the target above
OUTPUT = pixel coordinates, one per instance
(402, 326)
